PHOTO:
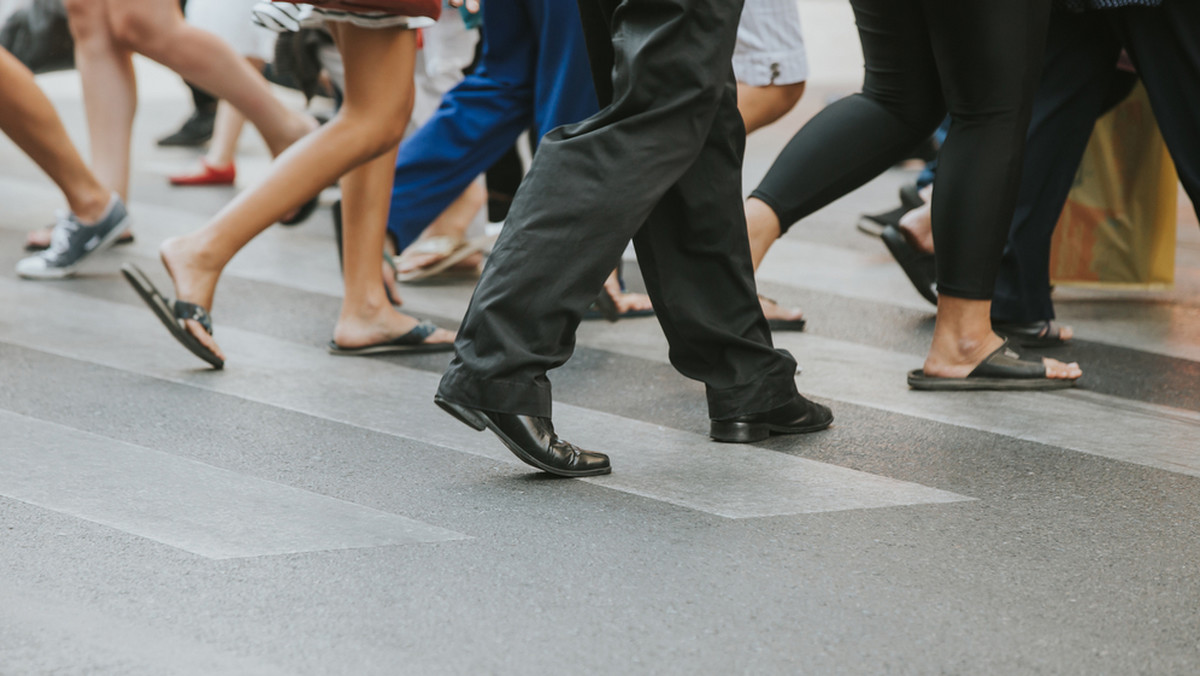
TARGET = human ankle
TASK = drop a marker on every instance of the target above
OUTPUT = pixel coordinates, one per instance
(91, 208)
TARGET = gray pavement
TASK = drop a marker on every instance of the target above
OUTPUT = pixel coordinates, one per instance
(306, 514)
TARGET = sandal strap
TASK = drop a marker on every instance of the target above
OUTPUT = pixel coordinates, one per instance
(184, 310)
(1006, 362)
(420, 332)
(441, 245)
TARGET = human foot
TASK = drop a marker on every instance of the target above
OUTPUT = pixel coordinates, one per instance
(780, 318)
(626, 301)
(434, 255)
(363, 328)
(195, 280)
(73, 240)
(174, 314)
(989, 364)
(917, 226)
(614, 302)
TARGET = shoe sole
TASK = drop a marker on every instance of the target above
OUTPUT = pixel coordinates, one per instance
(917, 380)
(107, 243)
(481, 422)
(745, 433)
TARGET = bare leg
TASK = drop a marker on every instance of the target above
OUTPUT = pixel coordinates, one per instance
(368, 126)
(226, 131)
(29, 119)
(109, 91)
(156, 28)
(366, 316)
(759, 107)
(763, 227)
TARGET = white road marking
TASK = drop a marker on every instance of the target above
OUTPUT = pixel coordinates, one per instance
(206, 510)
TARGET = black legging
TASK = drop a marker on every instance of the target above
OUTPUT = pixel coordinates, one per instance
(978, 59)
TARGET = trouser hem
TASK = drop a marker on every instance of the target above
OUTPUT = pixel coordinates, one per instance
(497, 396)
(758, 396)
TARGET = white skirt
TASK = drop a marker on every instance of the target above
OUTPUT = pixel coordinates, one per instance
(290, 16)
(233, 21)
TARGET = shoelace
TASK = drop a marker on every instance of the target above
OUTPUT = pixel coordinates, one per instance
(60, 237)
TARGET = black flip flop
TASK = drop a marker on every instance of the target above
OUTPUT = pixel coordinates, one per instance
(910, 196)
(873, 225)
(172, 313)
(412, 342)
(787, 324)
(783, 324)
(604, 308)
(1040, 334)
(1001, 370)
(919, 266)
(304, 212)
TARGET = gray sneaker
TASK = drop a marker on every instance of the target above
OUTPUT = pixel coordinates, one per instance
(73, 241)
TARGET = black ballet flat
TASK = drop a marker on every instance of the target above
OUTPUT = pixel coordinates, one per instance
(303, 213)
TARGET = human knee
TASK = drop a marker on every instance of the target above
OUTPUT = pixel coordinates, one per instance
(134, 30)
(371, 135)
(86, 19)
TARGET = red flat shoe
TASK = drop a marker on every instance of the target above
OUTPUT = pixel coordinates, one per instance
(206, 175)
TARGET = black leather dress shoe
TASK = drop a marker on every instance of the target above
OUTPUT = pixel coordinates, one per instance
(532, 440)
(795, 417)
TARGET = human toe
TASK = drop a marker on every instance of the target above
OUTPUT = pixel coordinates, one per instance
(1058, 369)
(197, 330)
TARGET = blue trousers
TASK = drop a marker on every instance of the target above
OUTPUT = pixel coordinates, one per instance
(533, 75)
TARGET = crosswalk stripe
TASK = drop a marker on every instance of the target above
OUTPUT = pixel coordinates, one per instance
(1145, 434)
(672, 466)
(206, 510)
(34, 619)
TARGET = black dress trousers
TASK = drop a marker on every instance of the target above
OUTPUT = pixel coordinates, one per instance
(661, 164)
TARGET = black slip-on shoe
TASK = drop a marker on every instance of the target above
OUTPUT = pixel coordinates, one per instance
(798, 416)
(196, 130)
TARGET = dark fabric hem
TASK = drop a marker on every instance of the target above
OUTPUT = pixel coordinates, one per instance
(766, 199)
(943, 290)
(497, 396)
(761, 395)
